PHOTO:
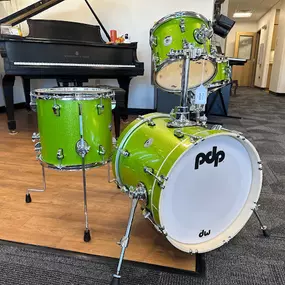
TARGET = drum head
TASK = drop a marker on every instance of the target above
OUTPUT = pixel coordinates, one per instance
(210, 193)
(169, 77)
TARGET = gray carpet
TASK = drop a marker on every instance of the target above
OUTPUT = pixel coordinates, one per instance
(247, 259)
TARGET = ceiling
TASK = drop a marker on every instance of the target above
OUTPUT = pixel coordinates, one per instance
(258, 7)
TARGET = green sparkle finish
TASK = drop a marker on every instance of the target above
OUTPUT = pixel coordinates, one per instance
(160, 155)
(221, 72)
(63, 131)
(172, 28)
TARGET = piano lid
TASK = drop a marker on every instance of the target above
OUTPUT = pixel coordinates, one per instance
(27, 12)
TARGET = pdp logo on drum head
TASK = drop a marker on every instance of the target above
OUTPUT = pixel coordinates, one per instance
(211, 157)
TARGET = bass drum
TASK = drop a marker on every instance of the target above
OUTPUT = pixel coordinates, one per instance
(202, 184)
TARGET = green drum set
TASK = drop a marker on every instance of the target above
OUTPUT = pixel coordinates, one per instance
(198, 186)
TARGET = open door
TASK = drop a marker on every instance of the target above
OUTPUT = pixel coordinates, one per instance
(245, 48)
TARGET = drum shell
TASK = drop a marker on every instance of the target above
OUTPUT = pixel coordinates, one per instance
(63, 131)
(130, 170)
(171, 28)
(222, 75)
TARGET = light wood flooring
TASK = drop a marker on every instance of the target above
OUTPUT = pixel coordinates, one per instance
(56, 218)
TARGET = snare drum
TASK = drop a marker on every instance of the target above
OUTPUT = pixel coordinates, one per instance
(65, 115)
(201, 184)
(168, 34)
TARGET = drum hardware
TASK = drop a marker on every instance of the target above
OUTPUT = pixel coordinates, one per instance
(147, 215)
(28, 195)
(35, 136)
(182, 25)
(156, 58)
(264, 228)
(102, 150)
(82, 149)
(56, 109)
(60, 155)
(202, 34)
(125, 153)
(110, 180)
(153, 41)
(38, 147)
(136, 194)
(150, 122)
(100, 109)
(180, 134)
(182, 115)
(160, 179)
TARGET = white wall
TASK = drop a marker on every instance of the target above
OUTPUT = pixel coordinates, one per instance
(277, 82)
(266, 36)
(238, 27)
(131, 16)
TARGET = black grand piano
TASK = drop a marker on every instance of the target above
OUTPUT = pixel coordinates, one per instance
(66, 51)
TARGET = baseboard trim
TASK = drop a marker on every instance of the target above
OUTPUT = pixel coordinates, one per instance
(16, 106)
(260, 88)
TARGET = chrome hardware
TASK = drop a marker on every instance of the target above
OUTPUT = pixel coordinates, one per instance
(150, 122)
(147, 215)
(56, 109)
(182, 25)
(33, 106)
(38, 147)
(188, 50)
(180, 118)
(201, 35)
(203, 120)
(60, 154)
(136, 194)
(100, 109)
(109, 174)
(217, 127)
(159, 179)
(101, 150)
(35, 136)
(262, 226)
(124, 153)
(153, 41)
(228, 71)
(110, 127)
(82, 148)
(178, 133)
(156, 58)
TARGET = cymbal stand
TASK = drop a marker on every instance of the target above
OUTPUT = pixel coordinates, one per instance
(136, 194)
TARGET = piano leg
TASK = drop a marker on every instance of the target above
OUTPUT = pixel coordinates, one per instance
(124, 83)
(8, 86)
(27, 90)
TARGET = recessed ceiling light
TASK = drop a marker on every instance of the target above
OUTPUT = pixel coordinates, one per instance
(242, 14)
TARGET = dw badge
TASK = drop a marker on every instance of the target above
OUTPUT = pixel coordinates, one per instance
(211, 157)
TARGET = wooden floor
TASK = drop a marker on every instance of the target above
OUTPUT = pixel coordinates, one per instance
(56, 219)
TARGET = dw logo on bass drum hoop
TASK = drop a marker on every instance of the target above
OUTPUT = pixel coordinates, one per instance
(210, 157)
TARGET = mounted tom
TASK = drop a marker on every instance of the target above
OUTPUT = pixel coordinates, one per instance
(169, 37)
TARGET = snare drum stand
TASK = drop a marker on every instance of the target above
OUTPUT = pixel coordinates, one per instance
(136, 194)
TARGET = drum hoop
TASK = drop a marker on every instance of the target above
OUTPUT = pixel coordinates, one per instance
(178, 15)
(218, 85)
(71, 167)
(126, 137)
(228, 133)
(171, 60)
(72, 93)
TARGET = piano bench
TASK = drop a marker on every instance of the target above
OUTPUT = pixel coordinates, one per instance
(120, 97)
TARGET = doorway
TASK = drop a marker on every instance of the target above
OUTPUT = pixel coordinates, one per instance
(245, 48)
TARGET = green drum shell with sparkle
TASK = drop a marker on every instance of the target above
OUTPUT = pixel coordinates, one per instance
(149, 146)
(63, 131)
(223, 74)
(170, 27)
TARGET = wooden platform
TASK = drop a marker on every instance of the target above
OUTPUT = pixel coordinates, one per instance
(56, 218)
